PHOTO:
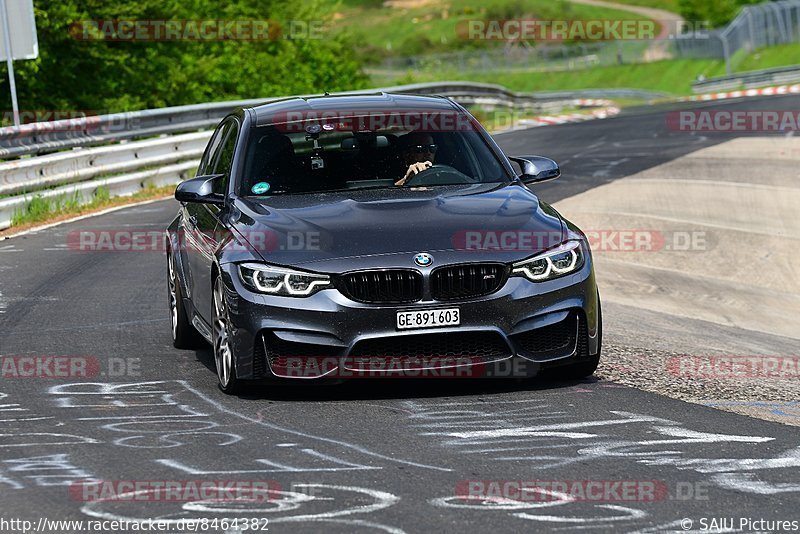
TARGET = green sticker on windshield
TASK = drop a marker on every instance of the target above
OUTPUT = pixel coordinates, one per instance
(260, 188)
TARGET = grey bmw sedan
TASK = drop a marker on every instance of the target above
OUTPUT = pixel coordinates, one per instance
(376, 235)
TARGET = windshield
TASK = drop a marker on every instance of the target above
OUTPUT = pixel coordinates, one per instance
(318, 156)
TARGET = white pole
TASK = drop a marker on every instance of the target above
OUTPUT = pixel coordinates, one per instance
(12, 84)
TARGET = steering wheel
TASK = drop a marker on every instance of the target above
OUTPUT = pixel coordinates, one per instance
(435, 175)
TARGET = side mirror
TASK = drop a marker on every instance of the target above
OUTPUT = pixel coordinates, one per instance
(200, 189)
(536, 169)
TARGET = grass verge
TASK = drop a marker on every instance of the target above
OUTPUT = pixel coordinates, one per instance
(416, 27)
(672, 76)
(668, 76)
(772, 57)
(49, 210)
(666, 5)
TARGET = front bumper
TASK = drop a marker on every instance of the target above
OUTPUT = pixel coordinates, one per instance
(538, 325)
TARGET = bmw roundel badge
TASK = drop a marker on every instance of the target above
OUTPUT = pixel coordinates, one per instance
(423, 260)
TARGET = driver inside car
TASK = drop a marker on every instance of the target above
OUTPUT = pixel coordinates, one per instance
(418, 150)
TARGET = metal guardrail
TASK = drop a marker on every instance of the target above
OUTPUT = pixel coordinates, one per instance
(85, 192)
(637, 94)
(37, 138)
(122, 169)
(749, 80)
(32, 174)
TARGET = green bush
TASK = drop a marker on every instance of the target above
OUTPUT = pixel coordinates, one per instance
(105, 76)
(718, 12)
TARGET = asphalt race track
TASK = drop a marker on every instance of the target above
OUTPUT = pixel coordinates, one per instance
(371, 456)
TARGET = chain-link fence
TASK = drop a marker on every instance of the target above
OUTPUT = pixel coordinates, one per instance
(760, 26)
(524, 57)
(756, 26)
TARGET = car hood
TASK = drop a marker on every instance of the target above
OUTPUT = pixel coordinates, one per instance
(348, 230)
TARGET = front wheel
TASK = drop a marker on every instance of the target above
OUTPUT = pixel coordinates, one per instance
(221, 337)
(576, 371)
(184, 335)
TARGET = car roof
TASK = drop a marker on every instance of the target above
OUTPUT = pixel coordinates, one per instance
(275, 112)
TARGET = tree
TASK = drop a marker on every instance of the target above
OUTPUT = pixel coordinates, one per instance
(73, 73)
(718, 12)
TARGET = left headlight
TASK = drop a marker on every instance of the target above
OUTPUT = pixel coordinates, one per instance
(564, 259)
(281, 281)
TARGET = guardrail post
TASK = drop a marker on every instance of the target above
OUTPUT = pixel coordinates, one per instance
(781, 22)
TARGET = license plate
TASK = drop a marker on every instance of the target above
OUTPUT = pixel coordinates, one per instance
(407, 320)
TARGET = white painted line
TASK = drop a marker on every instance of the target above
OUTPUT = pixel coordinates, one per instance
(82, 217)
(352, 446)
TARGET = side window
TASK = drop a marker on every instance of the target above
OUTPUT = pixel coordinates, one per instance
(211, 150)
(224, 161)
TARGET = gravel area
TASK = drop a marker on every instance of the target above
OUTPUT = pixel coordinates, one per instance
(767, 389)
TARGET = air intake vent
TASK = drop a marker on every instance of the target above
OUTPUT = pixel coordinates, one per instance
(390, 286)
(466, 281)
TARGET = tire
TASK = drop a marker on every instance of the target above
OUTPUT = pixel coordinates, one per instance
(184, 335)
(576, 371)
(220, 335)
(584, 369)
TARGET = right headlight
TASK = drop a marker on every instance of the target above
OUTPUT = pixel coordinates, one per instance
(272, 280)
(563, 259)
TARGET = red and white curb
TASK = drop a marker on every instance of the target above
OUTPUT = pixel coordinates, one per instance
(551, 120)
(592, 103)
(765, 91)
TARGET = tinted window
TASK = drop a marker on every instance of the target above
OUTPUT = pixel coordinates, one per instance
(224, 160)
(211, 150)
(285, 159)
